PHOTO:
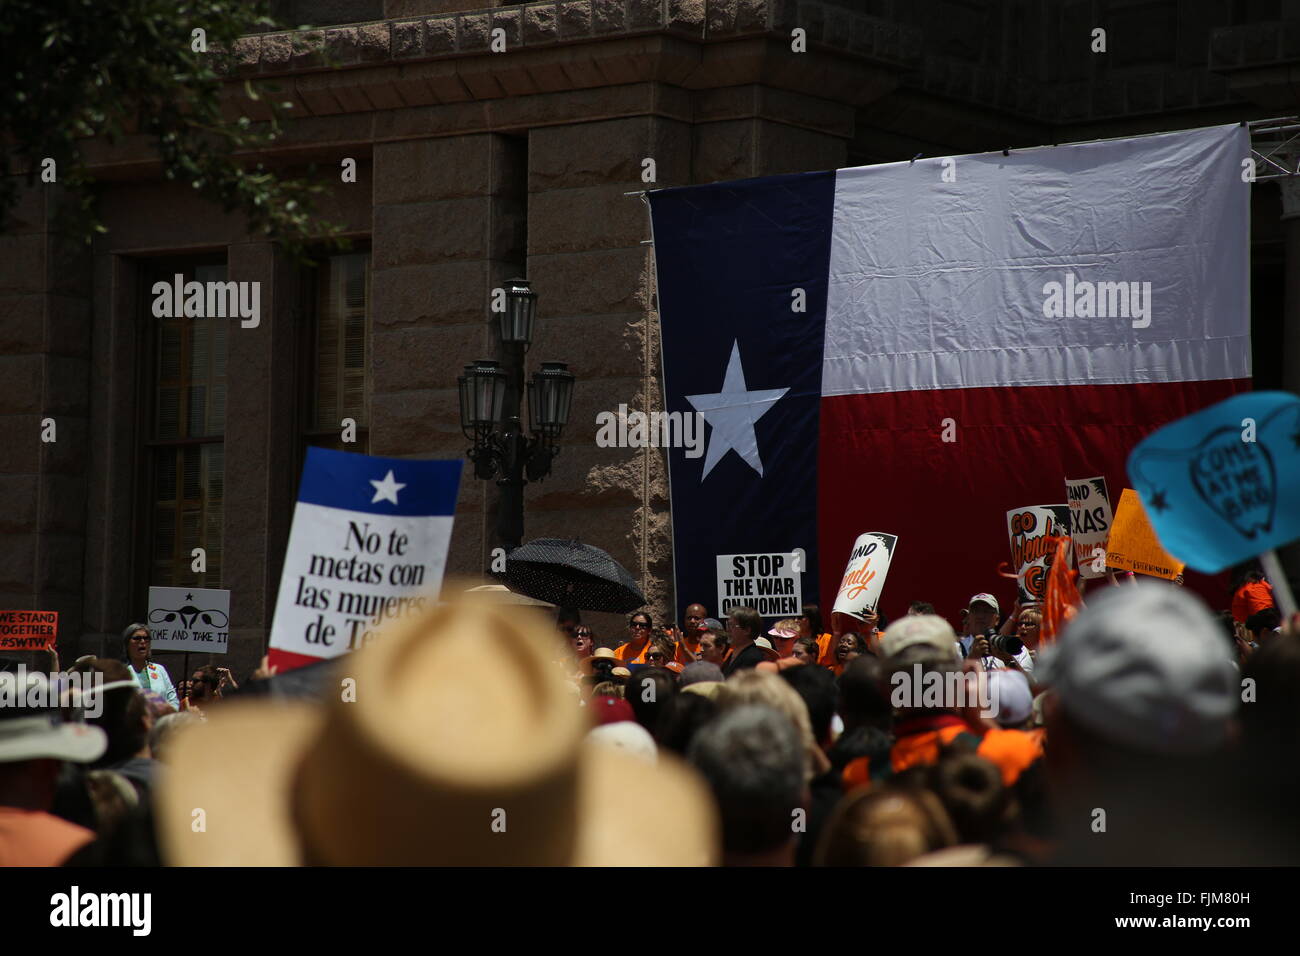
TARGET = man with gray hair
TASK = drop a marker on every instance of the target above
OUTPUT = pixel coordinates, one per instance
(1143, 694)
(753, 759)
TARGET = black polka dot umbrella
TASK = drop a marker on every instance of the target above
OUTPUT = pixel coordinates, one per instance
(571, 574)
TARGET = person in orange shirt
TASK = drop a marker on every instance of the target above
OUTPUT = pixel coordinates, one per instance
(868, 622)
(639, 630)
(689, 645)
(924, 644)
(849, 646)
(34, 744)
(810, 625)
(1253, 596)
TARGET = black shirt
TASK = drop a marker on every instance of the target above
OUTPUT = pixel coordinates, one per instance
(751, 656)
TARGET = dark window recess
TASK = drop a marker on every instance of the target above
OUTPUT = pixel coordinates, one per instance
(185, 445)
(340, 373)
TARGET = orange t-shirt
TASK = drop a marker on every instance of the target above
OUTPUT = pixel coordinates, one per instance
(826, 644)
(1251, 598)
(1011, 751)
(686, 652)
(36, 838)
(632, 652)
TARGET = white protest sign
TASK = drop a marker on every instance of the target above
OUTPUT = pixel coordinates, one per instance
(864, 575)
(368, 543)
(1090, 518)
(189, 619)
(769, 583)
(1031, 530)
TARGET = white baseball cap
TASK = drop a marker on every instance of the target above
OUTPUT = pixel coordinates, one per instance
(985, 598)
(629, 737)
(1015, 701)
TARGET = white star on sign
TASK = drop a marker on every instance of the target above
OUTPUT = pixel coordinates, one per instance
(732, 412)
(387, 489)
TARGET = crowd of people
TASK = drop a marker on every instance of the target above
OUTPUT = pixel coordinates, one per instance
(1151, 731)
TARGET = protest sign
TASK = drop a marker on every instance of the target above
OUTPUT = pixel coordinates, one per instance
(1090, 518)
(1031, 530)
(1133, 545)
(769, 583)
(1223, 485)
(864, 576)
(28, 630)
(189, 619)
(368, 543)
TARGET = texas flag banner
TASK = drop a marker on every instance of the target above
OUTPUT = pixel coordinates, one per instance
(924, 346)
(368, 543)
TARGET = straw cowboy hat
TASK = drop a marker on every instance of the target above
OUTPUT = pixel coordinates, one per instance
(432, 760)
(587, 664)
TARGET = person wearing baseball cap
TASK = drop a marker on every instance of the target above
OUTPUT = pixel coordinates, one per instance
(921, 650)
(980, 626)
(782, 636)
(1142, 704)
(34, 743)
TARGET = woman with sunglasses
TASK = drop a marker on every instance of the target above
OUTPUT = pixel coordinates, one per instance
(582, 642)
(639, 630)
(136, 644)
(662, 651)
(1028, 625)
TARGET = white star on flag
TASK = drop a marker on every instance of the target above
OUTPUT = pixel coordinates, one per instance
(387, 489)
(732, 412)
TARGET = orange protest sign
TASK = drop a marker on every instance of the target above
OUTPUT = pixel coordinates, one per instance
(1133, 545)
(28, 630)
(1063, 600)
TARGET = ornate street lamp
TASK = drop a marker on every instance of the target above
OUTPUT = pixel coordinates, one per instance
(490, 398)
(520, 313)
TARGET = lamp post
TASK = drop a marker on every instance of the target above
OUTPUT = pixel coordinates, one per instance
(490, 397)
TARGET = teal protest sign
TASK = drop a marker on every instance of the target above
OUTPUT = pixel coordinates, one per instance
(1222, 486)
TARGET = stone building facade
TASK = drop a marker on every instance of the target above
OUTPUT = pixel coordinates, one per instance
(474, 165)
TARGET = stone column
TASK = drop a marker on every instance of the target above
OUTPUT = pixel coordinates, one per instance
(596, 311)
(44, 382)
(448, 228)
(261, 447)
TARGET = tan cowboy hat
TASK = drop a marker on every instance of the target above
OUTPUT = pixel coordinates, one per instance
(503, 595)
(422, 758)
(769, 652)
(586, 665)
